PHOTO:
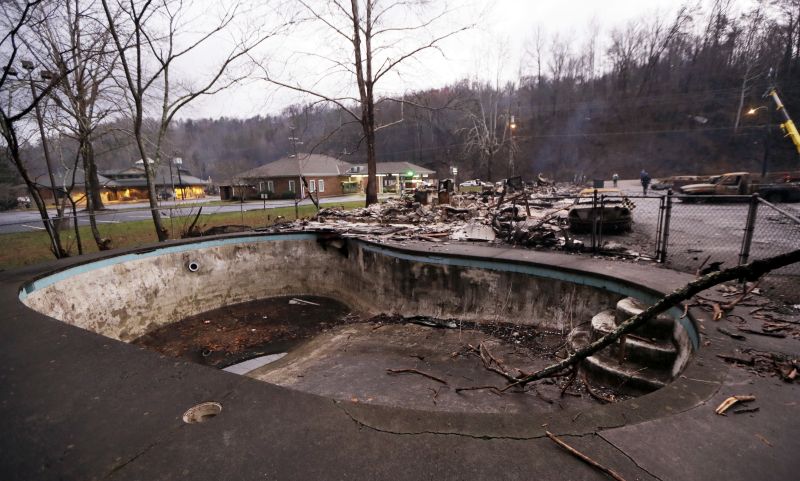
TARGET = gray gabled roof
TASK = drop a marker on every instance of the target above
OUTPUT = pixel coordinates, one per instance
(164, 176)
(394, 168)
(305, 164)
(64, 179)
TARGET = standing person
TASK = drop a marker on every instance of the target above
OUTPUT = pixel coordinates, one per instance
(615, 178)
(645, 178)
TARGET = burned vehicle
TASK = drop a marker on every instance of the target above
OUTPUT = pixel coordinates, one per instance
(609, 211)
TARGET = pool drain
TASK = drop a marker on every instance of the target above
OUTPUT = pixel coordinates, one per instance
(202, 412)
(193, 266)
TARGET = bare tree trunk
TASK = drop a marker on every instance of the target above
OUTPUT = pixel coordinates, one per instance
(87, 155)
(13, 148)
(75, 225)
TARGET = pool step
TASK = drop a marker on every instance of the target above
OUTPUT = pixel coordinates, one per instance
(629, 378)
(661, 327)
(649, 352)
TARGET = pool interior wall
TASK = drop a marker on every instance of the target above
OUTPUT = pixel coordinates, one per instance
(124, 297)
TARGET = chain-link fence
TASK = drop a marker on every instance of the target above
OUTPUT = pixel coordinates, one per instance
(626, 225)
(704, 233)
(698, 233)
(776, 230)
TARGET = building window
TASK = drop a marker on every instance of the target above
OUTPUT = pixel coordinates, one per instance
(291, 186)
(261, 187)
(312, 186)
(270, 186)
(321, 185)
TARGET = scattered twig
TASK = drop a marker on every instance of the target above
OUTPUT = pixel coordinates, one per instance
(594, 393)
(493, 389)
(697, 272)
(761, 333)
(735, 359)
(435, 394)
(414, 371)
(731, 334)
(570, 381)
(728, 403)
(586, 459)
(745, 292)
(718, 313)
(746, 410)
(191, 226)
(764, 440)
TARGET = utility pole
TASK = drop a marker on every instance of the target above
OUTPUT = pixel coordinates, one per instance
(300, 179)
(512, 126)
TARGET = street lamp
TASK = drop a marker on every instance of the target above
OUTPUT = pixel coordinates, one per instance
(178, 162)
(46, 76)
(753, 111)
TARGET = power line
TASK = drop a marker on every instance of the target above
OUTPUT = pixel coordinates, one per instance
(587, 134)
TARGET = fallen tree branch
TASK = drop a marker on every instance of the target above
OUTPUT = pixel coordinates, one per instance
(751, 271)
(586, 459)
(745, 292)
(414, 371)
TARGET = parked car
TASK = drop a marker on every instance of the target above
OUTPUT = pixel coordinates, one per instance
(677, 181)
(24, 201)
(743, 184)
(475, 186)
(615, 214)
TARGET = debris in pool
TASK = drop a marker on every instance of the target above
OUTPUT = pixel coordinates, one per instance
(295, 300)
(253, 364)
(431, 322)
(235, 333)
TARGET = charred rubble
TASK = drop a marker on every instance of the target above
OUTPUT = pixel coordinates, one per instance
(532, 216)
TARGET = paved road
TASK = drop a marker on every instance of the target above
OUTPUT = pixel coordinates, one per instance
(29, 220)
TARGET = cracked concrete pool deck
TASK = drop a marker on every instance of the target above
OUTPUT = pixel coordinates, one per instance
(77, 405)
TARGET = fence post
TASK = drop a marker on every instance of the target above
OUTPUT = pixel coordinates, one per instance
(749, 228)
(662, 202)
(600, 223)
(594, 222)
(662, 252)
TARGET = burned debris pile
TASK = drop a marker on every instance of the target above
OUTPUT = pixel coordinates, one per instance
(530, 217)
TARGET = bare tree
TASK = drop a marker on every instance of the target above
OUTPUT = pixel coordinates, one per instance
(490, 130)
(377, 42)
(16, 105)
(657, 38)
(76, 46)
(148, 36)
(748, 57)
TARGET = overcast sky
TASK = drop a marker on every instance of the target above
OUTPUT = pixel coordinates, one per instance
(506, 23)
